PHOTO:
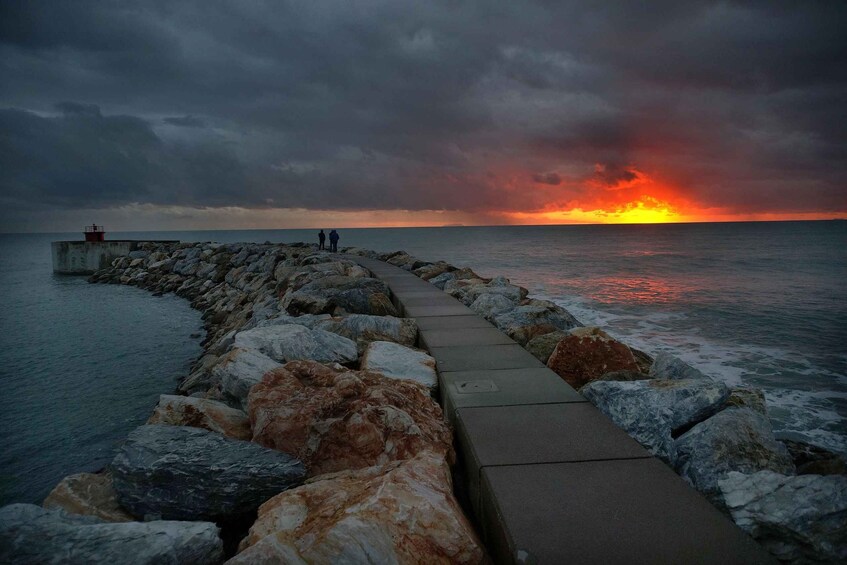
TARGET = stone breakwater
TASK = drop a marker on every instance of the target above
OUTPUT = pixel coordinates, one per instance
(307, 432)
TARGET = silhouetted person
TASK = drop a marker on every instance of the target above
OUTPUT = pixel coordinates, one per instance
(321, 240)
(333, 241)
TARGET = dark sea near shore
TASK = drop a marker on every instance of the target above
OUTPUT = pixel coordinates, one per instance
(758, 303)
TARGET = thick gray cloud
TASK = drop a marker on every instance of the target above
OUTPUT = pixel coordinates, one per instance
(473, 106)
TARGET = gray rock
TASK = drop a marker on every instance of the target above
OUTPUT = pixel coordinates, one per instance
(651, 410)
(801, 519)
(33, 535)
(183, 473)
(239, 370)
(364, 329)
(442, 279)
(736, 439)
(490, 305)
(542, 346)
(398, 362)
(668, 367)
(339, 295)
(748, 397)
(533, 318)
(290, 342)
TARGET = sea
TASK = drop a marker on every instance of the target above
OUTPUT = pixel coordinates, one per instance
(762, 304)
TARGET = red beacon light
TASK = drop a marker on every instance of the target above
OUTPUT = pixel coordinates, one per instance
(94, 233)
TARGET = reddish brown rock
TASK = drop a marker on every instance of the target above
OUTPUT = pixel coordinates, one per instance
(400, 512)
(335, 419)
(587, 354)
(201, 413)
(89, 494)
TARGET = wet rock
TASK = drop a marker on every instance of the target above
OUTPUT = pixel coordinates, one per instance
(400, 362)
(652, 410)
(542, 346)
(340, 295)
(801, 519)
(668, 367)
(33, 535)
(814, 460)
(490, 305)
(201, 413)
(736, 439)
(335, 419)
(239, 370)
(400, 512)
(644, 360)
(184, 473)
(588, 354)
(290, 342)
(533, 318)
(748, 397)
(88, 494)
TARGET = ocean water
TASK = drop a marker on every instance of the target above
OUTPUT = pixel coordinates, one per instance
(763, 304)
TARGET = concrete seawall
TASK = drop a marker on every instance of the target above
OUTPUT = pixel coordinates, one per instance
(86, 257)
(550, 479)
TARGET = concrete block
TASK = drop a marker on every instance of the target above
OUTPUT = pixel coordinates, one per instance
(449, 309)
(457, 337)
(628, 511)
(483, 357)
(509, 387)
(453, 322)
(536, 434)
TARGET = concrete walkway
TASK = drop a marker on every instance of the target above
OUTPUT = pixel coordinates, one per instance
(550, 479)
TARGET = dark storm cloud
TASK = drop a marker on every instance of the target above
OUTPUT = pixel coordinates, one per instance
(397, 105)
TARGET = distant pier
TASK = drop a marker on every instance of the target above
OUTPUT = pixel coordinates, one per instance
(93, 253)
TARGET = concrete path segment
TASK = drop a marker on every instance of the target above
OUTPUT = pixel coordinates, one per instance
(550, 479)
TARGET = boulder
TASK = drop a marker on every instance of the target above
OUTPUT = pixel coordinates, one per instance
(201, 413)
(644, 360)
(364, 329)
(399, 512)
(736, 439)
(748, 397)
(88, 494)
(467, 291)
(335, 419)
(33, 535)
(239, 370)
(542, 346)
(291, 342)
(584, 356)
(651, 411)
(490, 305)
(622, 376)
(533, 318)
(800, 519)
(400, 362)
(184, 473)
(814, 460)
(340, 295)
(427, 272)
(440, 280)
(668, 367)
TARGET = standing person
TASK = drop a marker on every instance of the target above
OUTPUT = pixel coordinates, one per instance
(333, 241)
(321, 240)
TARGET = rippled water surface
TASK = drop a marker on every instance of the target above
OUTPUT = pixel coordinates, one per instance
(757, 303)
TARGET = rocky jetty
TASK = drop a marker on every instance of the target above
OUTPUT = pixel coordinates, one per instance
(311, 405)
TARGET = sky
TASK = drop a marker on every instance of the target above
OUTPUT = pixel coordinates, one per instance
(251, 114)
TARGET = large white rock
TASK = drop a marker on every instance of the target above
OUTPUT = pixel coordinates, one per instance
(293, 342)
(651, 410)
(800, 519)
(33, 535)
(399, 362)
(239, 370)
(400, 512)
